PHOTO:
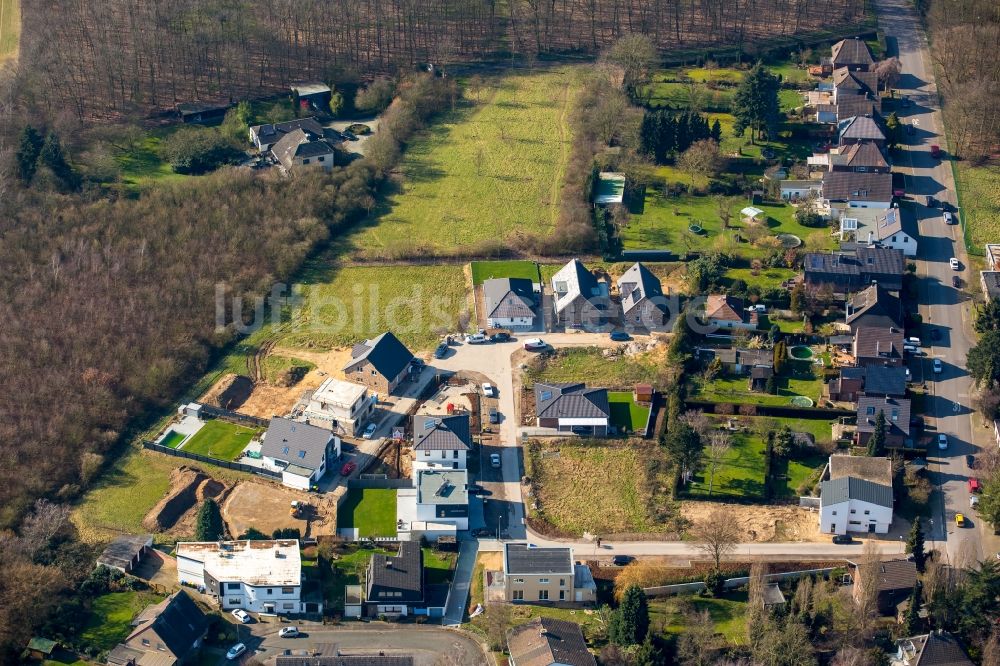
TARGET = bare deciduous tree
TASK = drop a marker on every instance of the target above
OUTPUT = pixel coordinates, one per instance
(716, 536)
(719, 443)
(695, 646)
(866, 577)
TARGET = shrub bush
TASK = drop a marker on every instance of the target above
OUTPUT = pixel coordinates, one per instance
(195, 150)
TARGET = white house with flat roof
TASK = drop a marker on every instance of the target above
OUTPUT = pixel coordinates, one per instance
(343, 407)
(257, 576)
(437, 504)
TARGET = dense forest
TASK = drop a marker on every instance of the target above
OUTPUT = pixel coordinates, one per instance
(122, 56)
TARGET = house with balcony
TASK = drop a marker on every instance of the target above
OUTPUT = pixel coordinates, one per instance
(441, 442)
(342, 407)
(538, 575)
(301, 452)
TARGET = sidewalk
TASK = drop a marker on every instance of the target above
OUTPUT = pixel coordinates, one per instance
(461, 582)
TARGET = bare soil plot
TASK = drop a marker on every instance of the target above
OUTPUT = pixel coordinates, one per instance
(267, 508)
(761, 523)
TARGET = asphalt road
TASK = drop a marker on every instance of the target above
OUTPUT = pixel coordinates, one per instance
(946, 310)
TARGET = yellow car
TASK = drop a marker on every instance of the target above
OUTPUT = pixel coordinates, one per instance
(960, 520)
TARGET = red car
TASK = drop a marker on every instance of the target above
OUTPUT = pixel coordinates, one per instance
(347, 468)
(935, 152)
(973, 485)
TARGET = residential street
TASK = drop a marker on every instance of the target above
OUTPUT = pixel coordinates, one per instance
(946, 311)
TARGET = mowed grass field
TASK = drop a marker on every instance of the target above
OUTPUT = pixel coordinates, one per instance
(488, 172)
(10, 28)
(488, 270)
(625, 413)
(587, 364)
(371, 510)
(110, 617)
(221, 440)
(343, 305)
(979, 189)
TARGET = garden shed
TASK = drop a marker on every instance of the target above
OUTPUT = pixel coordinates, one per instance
(610, 188)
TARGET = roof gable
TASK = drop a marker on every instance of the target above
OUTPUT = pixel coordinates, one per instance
(637, 284)
(569, 401)
(386, 353)
(403, 573)
(545, 641)
(178, 624)
(299, 443)
(844, 489)
(508, 297)
(441, 433)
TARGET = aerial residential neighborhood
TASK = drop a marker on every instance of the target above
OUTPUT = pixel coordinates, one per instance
(538, 334)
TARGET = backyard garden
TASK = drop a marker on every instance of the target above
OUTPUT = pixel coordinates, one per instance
(488, 270)
(591, 366)
(370, 511)
(219, 439)
(798, 383)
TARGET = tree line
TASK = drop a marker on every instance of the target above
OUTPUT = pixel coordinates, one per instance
(119, 57)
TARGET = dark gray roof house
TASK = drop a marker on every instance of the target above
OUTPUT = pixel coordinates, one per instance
(441, 433)
(848, 488)
(874, 307)
(265, 136)
(299, 148)
(172, 628)
(548, 642)
(572, 407)
(935, 649)
(849, 106)
(881, 380)
(860, 188)
(385, 353)
(854, 82)
(853, 53)
(577, 295)
(875, 346)
(855, 269)
(642, 296)
(522, 558)
(865, 156)
(860, 128)
(508, 299)
(299, 445)
(897, 419)
(397, 579)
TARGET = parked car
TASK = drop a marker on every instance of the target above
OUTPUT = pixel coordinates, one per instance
(476, 489)
(948, 217)
(534, 344)
(942, 441)
(953, 262)
(970, 460)
(500, 336)
(956, 282)
(913, 341)
(974, 486)
(936, 152)
(476, 339)
(489, 390)
(369, 431)
(289, 632)
(960, 520)
(931, 201)
(494, 415)
(348, 468)
(620, 336)
(622, 560)
(235, 651)
(910, 349)
(841, 539)
(973, 500)
(938, 367)
(242, 615)
(495, 460)
(441, 350)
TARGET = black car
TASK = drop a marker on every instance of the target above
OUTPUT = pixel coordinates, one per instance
(956, 282)
(494, 415)
(970, 460)
(841, 539)
(441, 350)
(622, 560)
(476, 489)
(620, 336)
(931, 202)
(501, 336)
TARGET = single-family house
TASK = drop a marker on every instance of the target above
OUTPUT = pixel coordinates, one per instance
(864, 157)
(299, 149)
(797, 190)
(125, 552)
(395, 583)
(166, 633)
(846, 386)
(548, 642)
(849, 106)
(312, 95)
(258, 576)
(643, 302)
(265, 136)
(938, 648)
(894, 579)
(729, 313)
(579, 299)
(847, 271)
(842, 189)
(381, 363)
(442, 497)
(881, 380)
(301, 452)
(509, 303)
(860, 129)
(847, 83)
(989, 281)
(853, 54)
(874, 307)
(339, 406)
(759, 376)
(877, 469)
(894, 228)
(878, 346)
(569, 407)
(897, 420)
(850, 504)
(441, 442)
(536, 574)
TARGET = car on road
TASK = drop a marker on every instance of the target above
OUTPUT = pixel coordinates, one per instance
(956, 282)
(489, 390)
(973, 500)
(842, 538)
(441, 350)
(289, 632)
(235, 651)
(960, 520)
(936, 151)
(970, 460)
(931, 201)
(242, 615)
(913, 341)
(534, 344)
(620, 336)
(348, 468)
(476, 339)
(495, 460)
(622, 560)
(974, 486)
(938, 367)
(948, 217)
(369, 431)
(942, 441)
(953, 262)
(494, 415)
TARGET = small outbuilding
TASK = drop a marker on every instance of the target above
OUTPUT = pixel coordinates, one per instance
(772, 597)
(610, 188)
(41, 648)
(643, 393)
(125, 552)
(314, 94)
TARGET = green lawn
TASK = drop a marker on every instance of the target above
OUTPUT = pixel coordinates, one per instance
(728, 613)
(277, 367)
(741, 473)
(487, 270)
(10, 28)
(141, 164)
(342, 305)
(587, 364)
(625, 413)
(371, 510)
(799, 379)
(766, 278)
(173, 439)
(486, 173)
(220, 439)
(979, 192)
(110, 617)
